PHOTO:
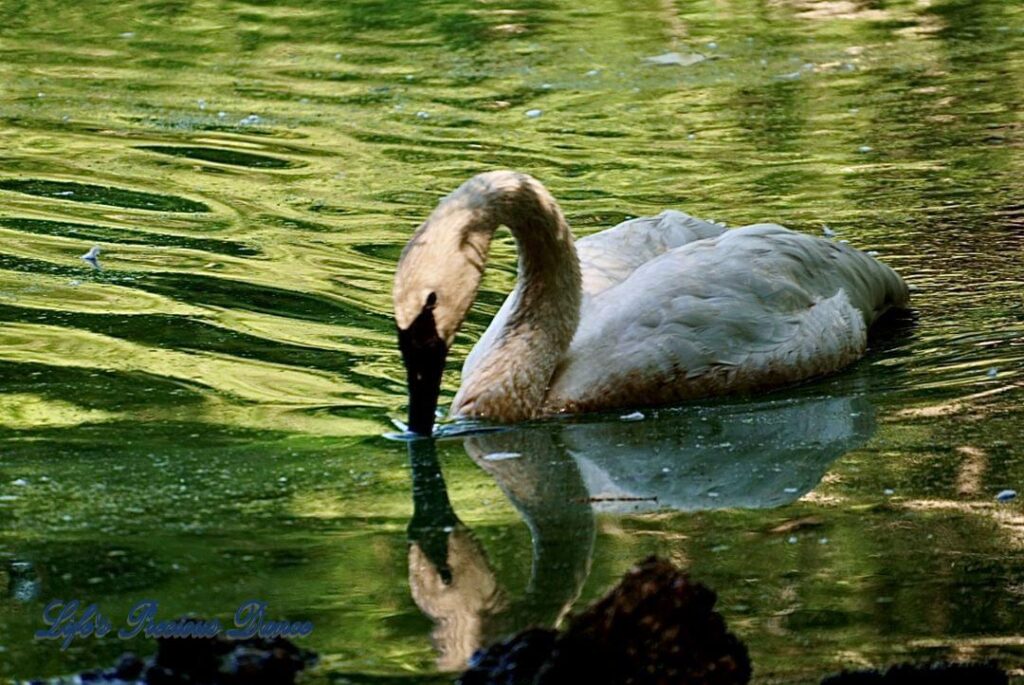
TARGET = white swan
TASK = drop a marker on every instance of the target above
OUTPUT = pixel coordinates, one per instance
(653, 311)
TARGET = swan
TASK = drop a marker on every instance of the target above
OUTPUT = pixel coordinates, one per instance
(653, 311)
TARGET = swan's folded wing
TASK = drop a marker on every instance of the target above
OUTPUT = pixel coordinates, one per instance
(609, 257)
(757, 306)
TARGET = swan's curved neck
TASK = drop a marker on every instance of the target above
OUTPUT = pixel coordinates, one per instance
(507, 378)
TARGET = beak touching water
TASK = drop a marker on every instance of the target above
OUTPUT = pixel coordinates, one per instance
(423, 352)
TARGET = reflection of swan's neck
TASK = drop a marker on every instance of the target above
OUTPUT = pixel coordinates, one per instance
(510, 380)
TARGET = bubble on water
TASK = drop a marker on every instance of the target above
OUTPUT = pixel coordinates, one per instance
(792, 540)
(865, 148)
(422, 115)
(127, 34)
(501, 456)
(675, 59)
(533, 113)
(790, 491)
(888, 492)
(1006, 495)
(593, 72)
(712, 45)
(250, 120)
(992, 373)
(202, 103)
(871, 253)
(691, 136)
(827, 231)
(92, 257)
(635, 416)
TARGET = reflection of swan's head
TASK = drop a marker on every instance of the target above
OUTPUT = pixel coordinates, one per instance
(460, 607)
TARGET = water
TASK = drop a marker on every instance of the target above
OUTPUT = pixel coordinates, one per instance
(200, 421)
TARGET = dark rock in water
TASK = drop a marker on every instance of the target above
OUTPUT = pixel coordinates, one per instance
(924, 674)
(207, 661)
(516, 661)
(129, 667)
(656, 627)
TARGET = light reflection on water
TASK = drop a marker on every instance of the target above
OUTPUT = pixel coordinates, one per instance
(199, 420)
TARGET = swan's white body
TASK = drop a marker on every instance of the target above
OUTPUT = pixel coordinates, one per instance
(661, 308)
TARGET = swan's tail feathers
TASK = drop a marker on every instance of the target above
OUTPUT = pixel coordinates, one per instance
(894, 293)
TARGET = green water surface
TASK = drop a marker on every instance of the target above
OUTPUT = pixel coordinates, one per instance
(201, 421)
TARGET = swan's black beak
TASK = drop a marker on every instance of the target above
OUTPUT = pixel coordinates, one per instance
(423, 352)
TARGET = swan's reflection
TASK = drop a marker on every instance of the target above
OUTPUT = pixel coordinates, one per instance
(737, 455)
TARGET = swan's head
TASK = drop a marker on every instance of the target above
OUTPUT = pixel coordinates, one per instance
(435, 285)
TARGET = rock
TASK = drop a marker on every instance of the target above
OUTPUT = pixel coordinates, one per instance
(656, 627)
(205, 661)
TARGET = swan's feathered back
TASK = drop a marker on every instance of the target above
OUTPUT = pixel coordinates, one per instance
(754, 307)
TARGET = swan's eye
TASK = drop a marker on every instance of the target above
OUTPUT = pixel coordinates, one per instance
(431, 301)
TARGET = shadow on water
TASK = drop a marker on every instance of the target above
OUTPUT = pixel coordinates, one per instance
(560, 477)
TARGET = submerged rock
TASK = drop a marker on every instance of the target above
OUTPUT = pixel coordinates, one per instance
(205, 661)
(656, 627)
